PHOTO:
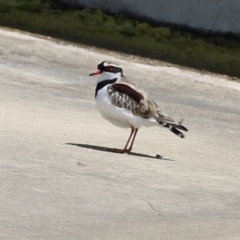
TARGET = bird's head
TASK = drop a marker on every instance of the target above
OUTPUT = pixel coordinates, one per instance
(107, 70)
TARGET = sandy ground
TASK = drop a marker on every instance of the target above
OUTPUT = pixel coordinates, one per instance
(60, 181)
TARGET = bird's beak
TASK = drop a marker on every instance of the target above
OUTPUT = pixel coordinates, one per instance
(95, 73)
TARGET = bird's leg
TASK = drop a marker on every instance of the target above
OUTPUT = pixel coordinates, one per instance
(125, 148)
(129, 149)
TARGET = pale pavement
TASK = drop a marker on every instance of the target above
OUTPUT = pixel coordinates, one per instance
(59, 181)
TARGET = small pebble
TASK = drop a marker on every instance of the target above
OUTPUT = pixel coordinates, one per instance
(81, 164)
(159, 156)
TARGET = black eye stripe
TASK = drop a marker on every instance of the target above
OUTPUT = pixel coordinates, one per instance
(109, 68)
(112, 69)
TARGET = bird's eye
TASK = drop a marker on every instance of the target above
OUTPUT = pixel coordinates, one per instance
(109, 69)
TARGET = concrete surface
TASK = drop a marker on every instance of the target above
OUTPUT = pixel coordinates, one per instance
(214, 15)
(58, 179)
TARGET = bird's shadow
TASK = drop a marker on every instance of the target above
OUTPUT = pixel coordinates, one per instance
(106, 149)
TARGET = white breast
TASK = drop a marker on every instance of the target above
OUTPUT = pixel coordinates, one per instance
(109, 111)
(120, 117)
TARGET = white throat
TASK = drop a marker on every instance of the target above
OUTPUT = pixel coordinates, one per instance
(107, 76)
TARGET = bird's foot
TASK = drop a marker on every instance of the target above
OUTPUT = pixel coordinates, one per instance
(121, 150)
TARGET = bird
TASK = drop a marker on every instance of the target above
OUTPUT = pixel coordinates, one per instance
(125, 105)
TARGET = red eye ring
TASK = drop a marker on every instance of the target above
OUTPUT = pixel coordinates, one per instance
(109, 68)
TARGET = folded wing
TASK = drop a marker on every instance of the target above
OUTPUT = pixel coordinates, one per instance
(126, 96)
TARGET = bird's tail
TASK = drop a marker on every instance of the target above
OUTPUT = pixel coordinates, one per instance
(173, 127)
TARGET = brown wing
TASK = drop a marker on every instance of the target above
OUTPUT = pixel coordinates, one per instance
(125, 95)
(129, 91)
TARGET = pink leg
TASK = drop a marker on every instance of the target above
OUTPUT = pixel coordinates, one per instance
(125, 148)
(130, 149)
